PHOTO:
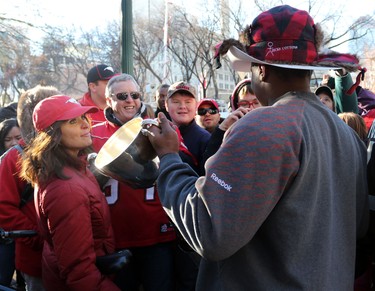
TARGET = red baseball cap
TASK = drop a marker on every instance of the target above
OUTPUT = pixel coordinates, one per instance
(211, 102)
(56, 108)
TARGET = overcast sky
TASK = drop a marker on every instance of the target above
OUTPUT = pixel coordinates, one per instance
(91, 13)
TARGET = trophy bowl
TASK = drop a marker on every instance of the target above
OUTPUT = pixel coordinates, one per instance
(128, 155)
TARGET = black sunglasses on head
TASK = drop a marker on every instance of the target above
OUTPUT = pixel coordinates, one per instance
(203, 111)
(124, 95)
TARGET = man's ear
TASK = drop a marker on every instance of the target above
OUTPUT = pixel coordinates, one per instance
(108, 100)
(263, 72)
(92, 87)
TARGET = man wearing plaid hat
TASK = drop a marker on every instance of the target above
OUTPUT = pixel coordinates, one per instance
(97, 79)
(284, 199)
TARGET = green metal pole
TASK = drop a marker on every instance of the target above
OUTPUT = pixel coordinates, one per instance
(127, 37)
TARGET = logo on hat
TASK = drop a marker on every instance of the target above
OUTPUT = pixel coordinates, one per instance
(56, 108)
(100, 72)
(181, 86)
(72, 100)
(109, 69)
(283, 37)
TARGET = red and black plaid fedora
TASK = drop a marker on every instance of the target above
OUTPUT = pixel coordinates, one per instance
(282, 36)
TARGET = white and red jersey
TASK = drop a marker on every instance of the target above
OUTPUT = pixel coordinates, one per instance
(138, 218)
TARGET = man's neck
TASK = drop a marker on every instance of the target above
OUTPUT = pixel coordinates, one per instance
(99, 101)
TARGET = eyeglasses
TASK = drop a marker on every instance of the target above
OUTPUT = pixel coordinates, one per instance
(124, 95)
(247, 104)
(203, 111)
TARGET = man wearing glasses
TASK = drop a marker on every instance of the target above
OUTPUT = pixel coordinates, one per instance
(138, 219)
(243, 96)
(208, 115)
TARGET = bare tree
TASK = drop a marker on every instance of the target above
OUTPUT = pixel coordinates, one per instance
(339, 30)
(67, 55)
(181, 45)
(196, 43)
(63, 56)
(148, 45)
(362, 28)
(14, 59)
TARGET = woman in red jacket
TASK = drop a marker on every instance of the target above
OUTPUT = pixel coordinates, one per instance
(17, 211)
(73, 215)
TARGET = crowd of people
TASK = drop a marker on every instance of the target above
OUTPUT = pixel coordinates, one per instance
(272, 197)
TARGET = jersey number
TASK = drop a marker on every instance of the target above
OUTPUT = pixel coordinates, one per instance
(111, 192)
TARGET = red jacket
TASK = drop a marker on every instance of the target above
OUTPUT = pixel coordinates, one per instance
(75, 222)
(96, 117)
(369, 118)
(12, 217)
(138, 218)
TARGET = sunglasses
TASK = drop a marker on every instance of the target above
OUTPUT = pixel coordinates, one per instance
(203, 111)
(124, 95)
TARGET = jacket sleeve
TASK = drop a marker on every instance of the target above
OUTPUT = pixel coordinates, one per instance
(67, 208)
(13, 217)
(345, 102)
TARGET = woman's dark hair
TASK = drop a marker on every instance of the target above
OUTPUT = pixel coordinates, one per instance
(8, 112)
(5, 127)
(45, 157)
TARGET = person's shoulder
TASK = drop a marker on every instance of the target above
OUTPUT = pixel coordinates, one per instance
(57, 186)
(270, 119)
(203, 135)
(86, 100)
(101, 132)
(200, 130)
(70, 194)
(11, 154)
(366, 93)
